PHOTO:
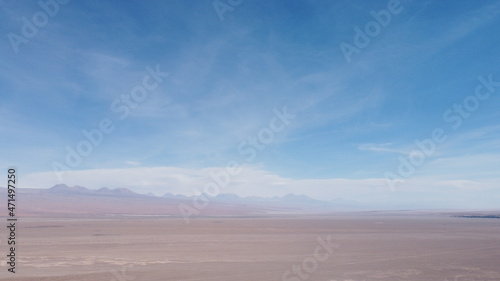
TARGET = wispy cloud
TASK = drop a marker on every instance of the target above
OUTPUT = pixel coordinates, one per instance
(383, 147)
(353, 121)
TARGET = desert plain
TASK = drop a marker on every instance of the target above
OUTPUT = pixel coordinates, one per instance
(357, 246)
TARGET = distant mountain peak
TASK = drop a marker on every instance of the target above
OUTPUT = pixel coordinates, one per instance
(177, 196)
(62, 188)
(124, 191)
(116, 191)
(103, 190)
(300, 199)
(228, 196)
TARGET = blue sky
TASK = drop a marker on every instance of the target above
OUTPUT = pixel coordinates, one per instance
(353, 121)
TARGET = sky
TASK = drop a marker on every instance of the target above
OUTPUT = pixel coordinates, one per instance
(392, 103)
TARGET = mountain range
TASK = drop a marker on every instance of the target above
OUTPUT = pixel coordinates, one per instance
(76, 200)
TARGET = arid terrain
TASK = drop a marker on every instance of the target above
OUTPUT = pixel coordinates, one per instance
(362, 246)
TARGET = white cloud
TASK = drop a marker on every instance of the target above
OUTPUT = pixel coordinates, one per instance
(252, 181)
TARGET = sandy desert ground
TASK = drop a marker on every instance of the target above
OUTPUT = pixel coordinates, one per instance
(362, 247)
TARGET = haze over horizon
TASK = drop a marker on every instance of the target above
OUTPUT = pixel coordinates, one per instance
(408, 119)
